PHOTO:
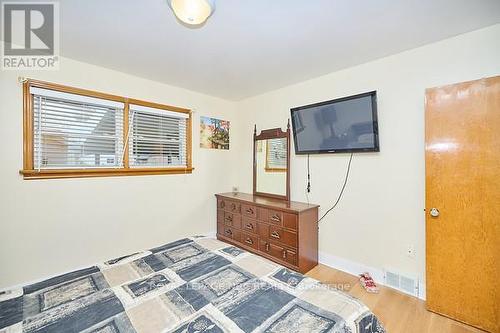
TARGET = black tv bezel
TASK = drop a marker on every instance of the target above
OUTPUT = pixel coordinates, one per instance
(376, 147)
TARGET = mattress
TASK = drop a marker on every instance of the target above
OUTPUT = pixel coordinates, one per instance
(195, 284)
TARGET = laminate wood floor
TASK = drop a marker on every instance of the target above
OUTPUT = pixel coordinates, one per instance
(398, 312)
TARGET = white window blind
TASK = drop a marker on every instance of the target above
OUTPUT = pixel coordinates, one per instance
(276, 153)
(157, 138)
(74, 131)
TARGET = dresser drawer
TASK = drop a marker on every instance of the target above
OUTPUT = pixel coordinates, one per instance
(231, 233)
(290, 221)
(278, 252)
(275, 217)
(269, 248)
(283, 236)
(249, 225)
(262, 214)
(232, 220)
(249, 211)
(291, 257)
(233, 207)
(228, 205)
(263, 230)
(250, 240)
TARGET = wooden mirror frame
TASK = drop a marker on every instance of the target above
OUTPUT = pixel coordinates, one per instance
(273, 133)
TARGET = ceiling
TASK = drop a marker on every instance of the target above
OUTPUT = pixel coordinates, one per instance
(250, 47)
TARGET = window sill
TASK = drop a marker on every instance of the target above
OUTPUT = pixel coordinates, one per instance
(85, 173)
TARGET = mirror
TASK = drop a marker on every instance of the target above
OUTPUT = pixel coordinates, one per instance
(271, 163)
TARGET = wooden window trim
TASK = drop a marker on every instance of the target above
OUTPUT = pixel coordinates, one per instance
(29, 171)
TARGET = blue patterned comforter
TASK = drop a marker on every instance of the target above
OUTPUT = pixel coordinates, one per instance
(195, 284)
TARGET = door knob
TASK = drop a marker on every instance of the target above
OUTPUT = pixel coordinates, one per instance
(434, 212)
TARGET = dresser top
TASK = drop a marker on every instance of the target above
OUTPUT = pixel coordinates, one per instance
(292, 206)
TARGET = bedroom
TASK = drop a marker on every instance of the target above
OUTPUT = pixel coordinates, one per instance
(72, 205)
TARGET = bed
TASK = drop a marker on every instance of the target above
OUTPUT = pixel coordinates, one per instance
(195, 284)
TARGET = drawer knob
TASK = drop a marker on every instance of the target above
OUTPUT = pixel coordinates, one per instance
(284, 254)
(267, 247)
(250, 211)
(249, 241)
(229, 218)
(275, 234)
(276, 218)
(249, 226)
(229, 232)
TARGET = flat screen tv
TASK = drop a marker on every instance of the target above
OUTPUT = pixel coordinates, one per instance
(343, 125)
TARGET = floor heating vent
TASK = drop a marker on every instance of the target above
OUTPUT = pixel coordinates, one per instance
(406, 284)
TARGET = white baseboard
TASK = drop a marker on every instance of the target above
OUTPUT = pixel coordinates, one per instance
(355, 268)
(351, 267)
(212, 234)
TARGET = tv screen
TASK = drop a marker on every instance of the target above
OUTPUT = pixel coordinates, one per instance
(342, 125)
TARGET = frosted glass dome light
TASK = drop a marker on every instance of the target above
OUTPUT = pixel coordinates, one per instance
(193, 12)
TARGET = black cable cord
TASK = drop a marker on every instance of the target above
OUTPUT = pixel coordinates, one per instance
(341, 191)
(308, 176)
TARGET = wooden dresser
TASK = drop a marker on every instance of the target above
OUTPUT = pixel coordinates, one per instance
(283, 231)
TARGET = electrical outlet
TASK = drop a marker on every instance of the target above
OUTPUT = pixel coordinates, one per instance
(410, 251)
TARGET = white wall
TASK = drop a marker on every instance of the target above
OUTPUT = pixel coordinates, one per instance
(382, 212)
(52, 226)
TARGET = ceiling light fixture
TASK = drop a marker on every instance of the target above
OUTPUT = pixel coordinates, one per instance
(192, 12)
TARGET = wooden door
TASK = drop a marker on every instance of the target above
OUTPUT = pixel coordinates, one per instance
(462, 159)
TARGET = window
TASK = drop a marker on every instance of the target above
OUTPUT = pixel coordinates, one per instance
(71, 132)
(157, 138)
(74, 132)
(276, 156)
